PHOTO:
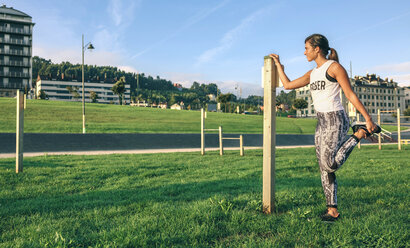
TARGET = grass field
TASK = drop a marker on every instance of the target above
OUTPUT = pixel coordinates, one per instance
(188, 200)
(66, 117)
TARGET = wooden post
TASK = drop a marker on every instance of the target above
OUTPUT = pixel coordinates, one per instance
(19, 131)
(270, 82)
(202, 132)
(241, 145)
(358, 119)
(398, 129)
(221, 146)
(25, 101)
(379, 121)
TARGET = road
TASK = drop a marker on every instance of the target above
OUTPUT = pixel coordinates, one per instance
(63, 142)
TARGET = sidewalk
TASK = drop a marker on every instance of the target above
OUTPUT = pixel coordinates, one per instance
(149, 151)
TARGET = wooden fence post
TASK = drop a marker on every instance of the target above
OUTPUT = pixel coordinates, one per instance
(19, 131)
(379, 122)
(221, 146)
(270, 82)
(358, 119)
(202, 132)
(241, 145)
(398, 129)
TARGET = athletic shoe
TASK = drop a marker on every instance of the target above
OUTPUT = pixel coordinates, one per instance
(328, 218)
(361, 125)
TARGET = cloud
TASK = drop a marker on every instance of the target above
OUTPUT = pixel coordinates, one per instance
(96, 57)
(121, 12)
(403, 80)
(192, 21)
(127, 68)
(400, 67)
(398, 72)
(230, 37)
(236, 87)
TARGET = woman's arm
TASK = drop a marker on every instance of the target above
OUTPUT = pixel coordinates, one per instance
(287, 84)
(339, 73)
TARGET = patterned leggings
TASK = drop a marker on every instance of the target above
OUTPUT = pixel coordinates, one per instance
(332, 149)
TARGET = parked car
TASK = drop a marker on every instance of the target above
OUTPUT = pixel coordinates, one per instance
(291, 116)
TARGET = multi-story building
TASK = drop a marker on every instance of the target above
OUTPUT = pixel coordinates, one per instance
(373, 92)
(16, 30)
(72, 91)
(407, 96)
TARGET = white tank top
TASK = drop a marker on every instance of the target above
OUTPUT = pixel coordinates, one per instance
(325, 93)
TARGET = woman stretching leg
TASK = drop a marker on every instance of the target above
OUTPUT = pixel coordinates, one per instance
(326, 80)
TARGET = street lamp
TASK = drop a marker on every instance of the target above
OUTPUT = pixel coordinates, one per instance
(84, 47)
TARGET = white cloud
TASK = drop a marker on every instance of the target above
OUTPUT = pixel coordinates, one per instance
(235, 87)
(122, 12)
(230, 37)
(398, 72)
(196, 18)
(403, 80)
(96, 57)
(127, 68)
(400, 67)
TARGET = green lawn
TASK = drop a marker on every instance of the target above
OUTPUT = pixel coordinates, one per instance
(188, 200)
(66, 117)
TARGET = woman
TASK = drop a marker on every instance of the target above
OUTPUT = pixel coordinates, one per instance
(325, 81)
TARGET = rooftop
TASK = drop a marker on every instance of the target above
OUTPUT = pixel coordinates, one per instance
(10, 11)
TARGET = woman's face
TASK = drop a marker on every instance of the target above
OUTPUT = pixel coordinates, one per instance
(310, 52)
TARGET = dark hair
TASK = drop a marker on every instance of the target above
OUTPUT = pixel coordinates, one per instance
(318, 40)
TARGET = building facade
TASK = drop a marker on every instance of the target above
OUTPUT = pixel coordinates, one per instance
(374, 92)
(16, 29)
(407, 96)
(72, 91)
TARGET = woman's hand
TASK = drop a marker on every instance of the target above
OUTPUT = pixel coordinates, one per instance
(370, 126)
(275, 58)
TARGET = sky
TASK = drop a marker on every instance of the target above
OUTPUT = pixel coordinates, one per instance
(224, 41)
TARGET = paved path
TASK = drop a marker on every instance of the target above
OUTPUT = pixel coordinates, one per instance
(38, 143)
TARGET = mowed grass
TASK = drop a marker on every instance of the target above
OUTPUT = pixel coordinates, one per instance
(66, 117)
(188, 200)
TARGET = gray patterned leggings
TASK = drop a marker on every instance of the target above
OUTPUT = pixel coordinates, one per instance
(332, 149)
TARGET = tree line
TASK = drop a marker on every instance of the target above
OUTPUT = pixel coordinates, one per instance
(147, 88)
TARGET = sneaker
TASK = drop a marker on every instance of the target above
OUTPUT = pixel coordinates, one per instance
(328, 218)
(362, 125)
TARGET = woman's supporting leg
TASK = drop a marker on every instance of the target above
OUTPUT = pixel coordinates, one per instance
(332, 150)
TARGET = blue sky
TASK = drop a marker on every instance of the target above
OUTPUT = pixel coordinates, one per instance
(222, 42)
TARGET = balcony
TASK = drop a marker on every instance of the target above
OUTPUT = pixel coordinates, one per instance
(15, 63)
(14, 74)
(15, 41)
(14, 30)
(15, 52)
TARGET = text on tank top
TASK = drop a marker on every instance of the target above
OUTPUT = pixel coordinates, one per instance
(325, 93)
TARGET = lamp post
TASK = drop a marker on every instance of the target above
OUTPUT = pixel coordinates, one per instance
(84, 47)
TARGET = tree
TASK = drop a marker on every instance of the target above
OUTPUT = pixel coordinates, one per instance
(226, 98)
(300, 103)
(119, 88)
(73, 91)
(93, 96)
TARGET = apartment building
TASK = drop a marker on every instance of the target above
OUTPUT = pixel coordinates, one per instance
(16, 29)
(60, 91)
(374, 92)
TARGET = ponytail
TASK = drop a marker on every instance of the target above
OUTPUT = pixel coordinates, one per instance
(318, 40)
(333, 55)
